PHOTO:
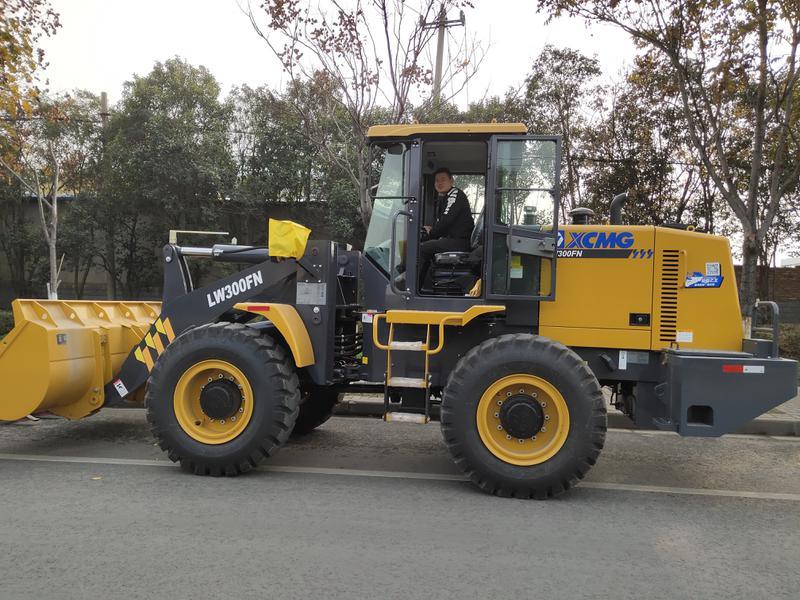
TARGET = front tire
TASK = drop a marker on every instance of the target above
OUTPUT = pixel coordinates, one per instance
(222, 398)
(316, 408)
(523, 416)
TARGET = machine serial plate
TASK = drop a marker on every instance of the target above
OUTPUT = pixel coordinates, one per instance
(311, 293)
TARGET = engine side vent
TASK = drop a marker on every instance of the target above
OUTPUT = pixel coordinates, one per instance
(668, 298)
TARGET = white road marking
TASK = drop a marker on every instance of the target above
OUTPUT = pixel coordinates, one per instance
(596, 485)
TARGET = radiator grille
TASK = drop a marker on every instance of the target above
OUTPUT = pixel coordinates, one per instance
(668, 309)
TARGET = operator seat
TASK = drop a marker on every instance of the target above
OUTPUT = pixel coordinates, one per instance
(454, 273)
(465, 258)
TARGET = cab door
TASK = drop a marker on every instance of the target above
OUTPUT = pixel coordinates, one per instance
(522, 218)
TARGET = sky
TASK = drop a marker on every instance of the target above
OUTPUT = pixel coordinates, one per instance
(103, 42)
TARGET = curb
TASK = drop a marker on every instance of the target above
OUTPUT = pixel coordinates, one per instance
(616, 420)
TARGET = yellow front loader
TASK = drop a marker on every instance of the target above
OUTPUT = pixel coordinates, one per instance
(509, 340)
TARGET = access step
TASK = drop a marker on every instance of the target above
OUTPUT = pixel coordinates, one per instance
(408, 346)
(401, 417)
(406, 382)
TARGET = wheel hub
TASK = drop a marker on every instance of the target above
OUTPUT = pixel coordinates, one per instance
(521, 416)
(220, 399)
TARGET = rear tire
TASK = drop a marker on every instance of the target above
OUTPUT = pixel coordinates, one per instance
(552, 437)
(248, 416)
(317, 404)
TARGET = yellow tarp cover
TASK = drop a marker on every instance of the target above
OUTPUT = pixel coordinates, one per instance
(287, 238)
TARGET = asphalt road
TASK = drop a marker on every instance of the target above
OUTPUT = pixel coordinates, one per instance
(365, 509)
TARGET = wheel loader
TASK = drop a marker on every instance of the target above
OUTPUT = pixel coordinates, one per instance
(510, 343)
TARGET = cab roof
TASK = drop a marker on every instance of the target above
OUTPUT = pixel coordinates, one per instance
(395, 131)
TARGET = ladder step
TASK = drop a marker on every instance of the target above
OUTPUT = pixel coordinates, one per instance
(406, 382)
(401, 417)
(410, 346)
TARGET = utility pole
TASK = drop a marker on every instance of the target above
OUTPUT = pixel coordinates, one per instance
(441, 23)
(110, 230)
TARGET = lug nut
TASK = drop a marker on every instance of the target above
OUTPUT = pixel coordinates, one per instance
(499, 403)
(521, 441)
(547, 417)
(508, 437)
(496, 415)
(241, 409)
(533, 394)
(499, 428)
(508, 394)
(533, 438)
(233, 418)
(220, 376)
(544, 404)
(542, 430)
(210, 380)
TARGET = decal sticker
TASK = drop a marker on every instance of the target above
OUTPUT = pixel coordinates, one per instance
(596, 239)
(638, 358)
(516, 267)
(755, 369)
(226, 292)
(600, 244)
(311, 293)
(120, 387)
(713, 270)
(622, 363)
(698, 280)
(684, 336)
(366, 317)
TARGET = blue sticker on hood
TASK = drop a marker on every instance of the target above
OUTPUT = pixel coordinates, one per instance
(698, 280)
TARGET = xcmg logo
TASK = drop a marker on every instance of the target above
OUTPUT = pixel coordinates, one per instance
(592, 240)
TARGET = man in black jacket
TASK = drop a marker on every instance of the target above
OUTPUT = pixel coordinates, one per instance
(453, 224)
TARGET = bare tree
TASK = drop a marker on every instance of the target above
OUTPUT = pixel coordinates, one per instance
(367, 61)
(733, 66)
(37, 168)
(50, 152)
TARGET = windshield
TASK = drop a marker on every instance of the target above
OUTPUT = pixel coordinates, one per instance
(388, 200)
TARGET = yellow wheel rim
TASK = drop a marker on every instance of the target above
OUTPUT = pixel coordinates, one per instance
(533, 450)
(189, 412)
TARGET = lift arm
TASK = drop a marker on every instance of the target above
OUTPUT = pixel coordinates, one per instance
(199, 307)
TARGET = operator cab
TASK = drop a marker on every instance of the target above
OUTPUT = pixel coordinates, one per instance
(511, 183)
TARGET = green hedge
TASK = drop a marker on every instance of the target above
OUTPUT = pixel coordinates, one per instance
(6, 322)
(790, 341)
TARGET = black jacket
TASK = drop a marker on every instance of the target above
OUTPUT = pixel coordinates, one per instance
(453, 216)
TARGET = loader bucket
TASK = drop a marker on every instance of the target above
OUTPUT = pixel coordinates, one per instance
(60, 354)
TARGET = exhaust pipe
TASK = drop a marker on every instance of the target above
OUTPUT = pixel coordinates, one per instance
(616, 208)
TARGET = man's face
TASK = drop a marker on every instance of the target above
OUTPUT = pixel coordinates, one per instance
(443, 183)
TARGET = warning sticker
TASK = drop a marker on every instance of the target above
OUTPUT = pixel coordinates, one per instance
(120, 387)
(713, 269)
(684, 336)
(516, 267)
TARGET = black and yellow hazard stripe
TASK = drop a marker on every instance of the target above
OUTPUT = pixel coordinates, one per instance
(154, 340)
